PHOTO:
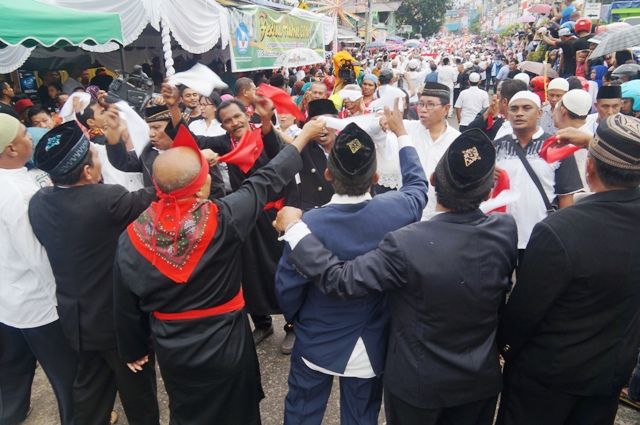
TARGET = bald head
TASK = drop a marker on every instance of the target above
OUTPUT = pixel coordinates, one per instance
(176, 168)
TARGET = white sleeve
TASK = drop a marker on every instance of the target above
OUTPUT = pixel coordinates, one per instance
(296, 233)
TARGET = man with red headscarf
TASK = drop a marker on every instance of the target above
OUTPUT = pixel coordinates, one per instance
(178, 276)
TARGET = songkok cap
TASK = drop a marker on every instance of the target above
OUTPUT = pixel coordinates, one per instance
(157, 113)
(353, 156)
(321, 107)
(474, 77)
(617, 142)
(564, 32)
(62, 149)
(351, 92)
(577, 101)
(609, 92)
(9, 127)
(526, 95)
(467, 166)
(437, 90)
(558, 84)
(22, 105)
(522, 76)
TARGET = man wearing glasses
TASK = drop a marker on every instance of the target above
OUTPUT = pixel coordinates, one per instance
(432, 135)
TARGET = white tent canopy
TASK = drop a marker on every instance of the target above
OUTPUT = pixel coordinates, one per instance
(197, 25)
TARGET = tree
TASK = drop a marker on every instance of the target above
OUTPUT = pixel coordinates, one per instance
(425, 16)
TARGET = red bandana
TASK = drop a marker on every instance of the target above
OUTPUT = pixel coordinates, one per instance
(246, 152)
(174, 232)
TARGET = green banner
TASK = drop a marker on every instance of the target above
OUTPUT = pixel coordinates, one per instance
(265, 39)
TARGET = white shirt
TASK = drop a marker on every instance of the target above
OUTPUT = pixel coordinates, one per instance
(471, 101)
(27, 288)
(447, 75)
(528, 209)
(111, 175)
(358, 365)
(200, 128)
(429, 151)
(581, 155)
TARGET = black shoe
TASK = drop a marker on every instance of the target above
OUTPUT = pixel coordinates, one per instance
(287, 342)
(260, 334)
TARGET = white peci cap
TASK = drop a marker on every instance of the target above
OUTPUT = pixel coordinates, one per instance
(577, 101)
(558, 84)
(474, 77)
(526, 95)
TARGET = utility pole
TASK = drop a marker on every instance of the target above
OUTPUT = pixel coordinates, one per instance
(369, 30)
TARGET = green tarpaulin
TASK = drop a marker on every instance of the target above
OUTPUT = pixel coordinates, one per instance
(30, 22)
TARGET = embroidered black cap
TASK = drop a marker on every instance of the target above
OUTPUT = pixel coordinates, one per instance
(353, 156)
(61, 149)
(468, 164)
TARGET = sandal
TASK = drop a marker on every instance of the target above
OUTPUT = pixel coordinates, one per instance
(624, 399)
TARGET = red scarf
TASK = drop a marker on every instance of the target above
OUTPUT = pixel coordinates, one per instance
(174, 232)
(173, 240)
(246, 151)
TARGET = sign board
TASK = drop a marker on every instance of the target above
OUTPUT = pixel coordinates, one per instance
(592, 10)
(258, 36)
(406, 29)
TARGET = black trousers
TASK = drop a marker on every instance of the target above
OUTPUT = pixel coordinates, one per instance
(479, 412)
(19, 351)
(103, 373)
(525, 402)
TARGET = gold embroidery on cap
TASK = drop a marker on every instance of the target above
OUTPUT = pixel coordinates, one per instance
(470, 156)
(355, 145)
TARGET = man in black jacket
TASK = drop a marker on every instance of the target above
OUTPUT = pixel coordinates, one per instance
(312, 189)
(446, 279)
(158, 118)
(78, 221)
(571, 329)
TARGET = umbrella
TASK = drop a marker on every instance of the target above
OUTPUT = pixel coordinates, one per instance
(620, 40)
(375, 45)
(540, 8)
(298, 57)
(537, 68)
(29, 23)
(412, 43)
(615, 26)
(526, 18)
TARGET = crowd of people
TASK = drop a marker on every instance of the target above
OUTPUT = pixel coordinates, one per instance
(435, 225)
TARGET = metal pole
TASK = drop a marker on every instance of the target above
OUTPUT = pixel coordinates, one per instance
(369, 31)
(122, 62)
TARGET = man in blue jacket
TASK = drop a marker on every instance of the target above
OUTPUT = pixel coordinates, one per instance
(347, 338)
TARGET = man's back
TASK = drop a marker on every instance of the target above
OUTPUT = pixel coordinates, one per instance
(458, 269)
(471, 101)
(577, 309)
(79, 228)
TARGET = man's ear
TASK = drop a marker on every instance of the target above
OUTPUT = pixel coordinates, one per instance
(327, 175)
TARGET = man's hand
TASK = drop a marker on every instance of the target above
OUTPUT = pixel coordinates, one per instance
(264, 108)
(114, 126)
(311, 130)
(287, 217)
(170, 94)
(571, 135)
(136, 366)
(496, 172)
(394, 119)
(210, 156)
(494, 107)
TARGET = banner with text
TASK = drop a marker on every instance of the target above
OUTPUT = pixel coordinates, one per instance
(265, 39)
